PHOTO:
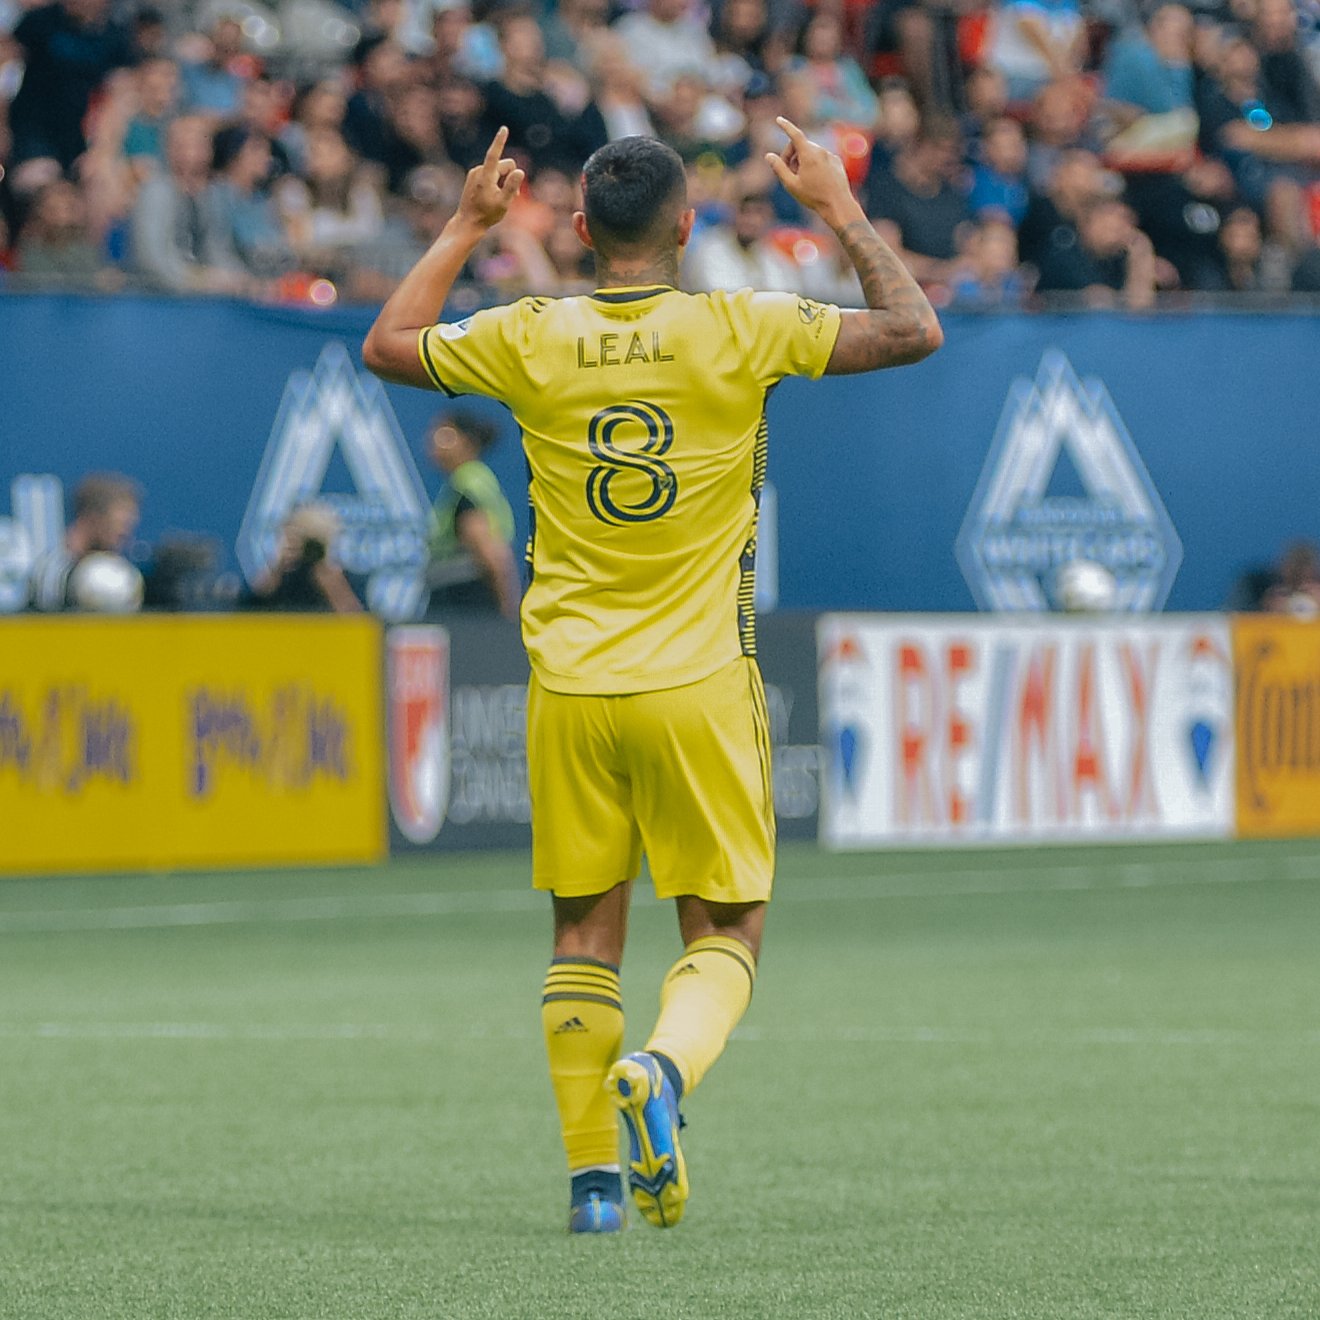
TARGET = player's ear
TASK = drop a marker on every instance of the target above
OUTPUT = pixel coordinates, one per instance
(580, 229)
(685, 223)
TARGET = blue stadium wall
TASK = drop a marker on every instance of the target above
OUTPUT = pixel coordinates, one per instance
(874, 475)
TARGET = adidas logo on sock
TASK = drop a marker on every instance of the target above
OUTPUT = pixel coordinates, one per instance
(686, 970)
(573, 1024)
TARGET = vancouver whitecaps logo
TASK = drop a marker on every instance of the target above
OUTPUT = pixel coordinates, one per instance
(383, 519)
(1025, 522)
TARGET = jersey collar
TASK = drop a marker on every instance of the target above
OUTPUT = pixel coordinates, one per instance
(632, 293)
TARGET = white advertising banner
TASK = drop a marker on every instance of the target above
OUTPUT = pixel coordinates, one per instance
(946, 730)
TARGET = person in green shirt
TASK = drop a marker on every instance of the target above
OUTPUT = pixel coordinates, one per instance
(471, 537)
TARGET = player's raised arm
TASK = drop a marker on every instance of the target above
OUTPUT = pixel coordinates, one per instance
(390, 349)
(900, 325)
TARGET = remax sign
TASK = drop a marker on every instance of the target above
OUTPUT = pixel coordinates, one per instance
(1063, 482)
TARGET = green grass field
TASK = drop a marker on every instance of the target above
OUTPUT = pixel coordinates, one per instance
(1053, 1084)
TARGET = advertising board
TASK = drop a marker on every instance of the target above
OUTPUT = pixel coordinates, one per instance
(189, 741)
(1278, 725)
(457, 731)
(961, 730)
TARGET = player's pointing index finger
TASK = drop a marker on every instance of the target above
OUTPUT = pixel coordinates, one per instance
(496, 149)
(795, 135)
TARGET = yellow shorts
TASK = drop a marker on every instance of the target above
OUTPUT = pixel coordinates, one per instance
(683, 773)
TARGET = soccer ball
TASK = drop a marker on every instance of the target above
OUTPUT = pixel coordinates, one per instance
(104, 583)
(1085, 587)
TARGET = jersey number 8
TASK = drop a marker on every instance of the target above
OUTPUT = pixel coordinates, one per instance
(644, 462)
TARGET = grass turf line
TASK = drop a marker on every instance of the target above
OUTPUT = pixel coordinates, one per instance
(1090, 1091)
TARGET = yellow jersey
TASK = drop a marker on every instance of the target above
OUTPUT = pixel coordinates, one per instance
(643, 421)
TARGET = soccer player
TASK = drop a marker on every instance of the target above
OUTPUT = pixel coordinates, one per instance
(642, 414)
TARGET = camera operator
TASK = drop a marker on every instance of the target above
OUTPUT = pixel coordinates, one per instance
(304, 576)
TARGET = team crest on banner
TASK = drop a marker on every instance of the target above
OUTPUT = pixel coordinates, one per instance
(1064, 482)
(418, 694)
(384, 517)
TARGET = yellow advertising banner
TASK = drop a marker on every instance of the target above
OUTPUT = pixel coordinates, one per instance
(189, 741)
(1277, 661)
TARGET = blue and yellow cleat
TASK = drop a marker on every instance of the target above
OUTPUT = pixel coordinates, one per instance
(597, 1203)
(656, 1172)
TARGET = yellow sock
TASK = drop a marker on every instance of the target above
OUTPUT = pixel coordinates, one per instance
(701, 1001)
(582, 1013)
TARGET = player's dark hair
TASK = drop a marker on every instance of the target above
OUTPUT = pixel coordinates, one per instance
(99, 492)
(482, 433)
(633, 190)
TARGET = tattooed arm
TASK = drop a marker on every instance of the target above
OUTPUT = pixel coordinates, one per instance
(900, 325)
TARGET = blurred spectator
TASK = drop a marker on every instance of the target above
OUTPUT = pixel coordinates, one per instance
(917, 205)
(382, 73)
(740, 255)
(150, 34)
(332, 208)
(666, 41)
(106, 510)
(1296, 590)
(1112, 258)
(212, 83)
(838, 84)
(1051, 222)
(68, 49)
(1184, 215)
(471, 563)
(540, 131)
(174, 239)
(54, 246)
(1268, 150)
(999, 179)
(318, 105)
(1058, 124)
(1288, 81)
(988, 276)
(105, 177)
(696, 124)
(243, 226)
(924, 34)
(451, 26)
(1240, 248)
(617, 89)
(461, 121)
(157, 87)
(741, 35)
(987, 100)
(264, 111)
(416, 133)
(900, 121)
(574, 28)
(304, 576)
(429, 85)
(1149, 71)
(1037, 42)
(430, 195)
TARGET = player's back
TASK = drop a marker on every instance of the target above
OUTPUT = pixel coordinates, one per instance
(642, 412)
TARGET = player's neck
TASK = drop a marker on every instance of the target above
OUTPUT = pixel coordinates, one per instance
(637, 272)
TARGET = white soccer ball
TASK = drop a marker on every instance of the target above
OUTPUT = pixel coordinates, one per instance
(104, 583)
(1085, 587)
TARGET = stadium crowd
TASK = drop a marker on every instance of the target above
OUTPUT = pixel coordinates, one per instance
(1011, 150)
